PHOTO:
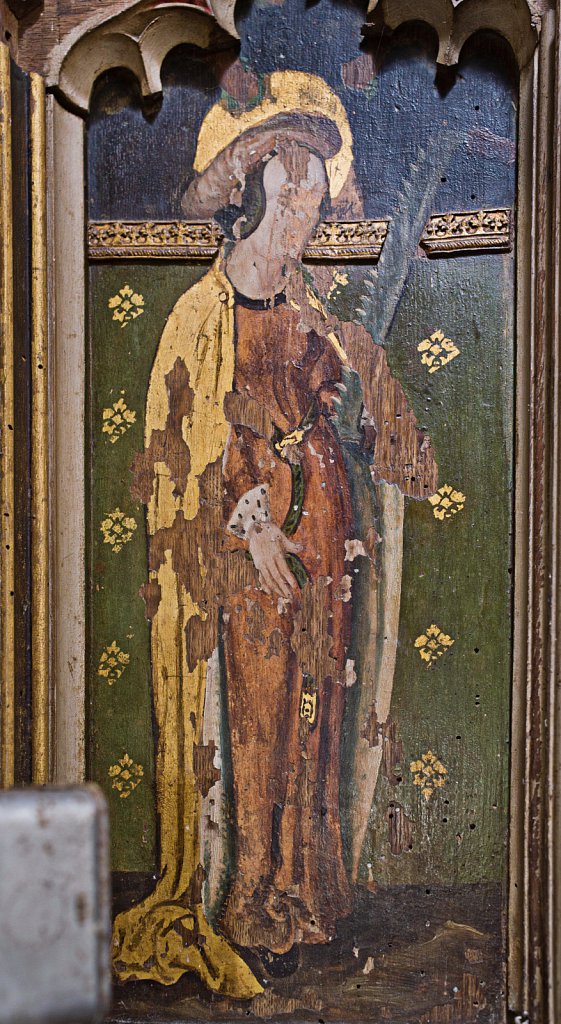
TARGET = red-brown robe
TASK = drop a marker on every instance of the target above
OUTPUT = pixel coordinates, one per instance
(290, 882)
(228, 385)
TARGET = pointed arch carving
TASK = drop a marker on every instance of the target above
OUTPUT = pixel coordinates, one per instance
(139, 40)
(140, 37)
(454, 23)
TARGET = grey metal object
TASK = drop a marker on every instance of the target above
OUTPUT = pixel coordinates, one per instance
(54, 906)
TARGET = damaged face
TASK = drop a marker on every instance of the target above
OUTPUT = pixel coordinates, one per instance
(295, 185)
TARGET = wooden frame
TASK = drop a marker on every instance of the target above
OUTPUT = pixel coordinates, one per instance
(38, 441)
(7, 564)
(140, 43)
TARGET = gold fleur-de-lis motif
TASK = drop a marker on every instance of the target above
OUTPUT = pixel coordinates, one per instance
(429, 773)
(126, 305)
(126, 776)
(447, 502)
(117, 529)
(112, 663)
(117, 419)
(437, 351)
(432, 644)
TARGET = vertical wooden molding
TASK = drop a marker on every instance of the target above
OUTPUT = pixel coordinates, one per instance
(535, 873)
(39, 442)
(553, 723)
(517, 918)
(7, 709)
(68, 315)
(538, 971)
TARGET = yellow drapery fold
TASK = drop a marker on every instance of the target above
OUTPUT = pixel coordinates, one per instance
(167, 934)
(200, 332)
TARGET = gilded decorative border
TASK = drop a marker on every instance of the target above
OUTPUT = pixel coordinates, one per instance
(348, 240)
(472, 231)
(444, 233)
(341, 240)
(40, 724)
(7, 525)
(153, 240)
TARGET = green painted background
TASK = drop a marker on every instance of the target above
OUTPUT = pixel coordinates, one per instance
(419, 148)
(456, 572)
(120, 716)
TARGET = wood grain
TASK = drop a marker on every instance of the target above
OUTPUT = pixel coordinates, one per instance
(46, 28)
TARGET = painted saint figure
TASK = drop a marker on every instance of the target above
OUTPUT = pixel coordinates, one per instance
(272, 431)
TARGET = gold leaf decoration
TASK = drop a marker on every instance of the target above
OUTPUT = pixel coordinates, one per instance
(332, 240)
(437, 351)
(117, 420)
(428, 773)
(468, 231)
(117, 529)
(447, 502)
(112, 663)
(433, 644)
(127, 305)
(308, 706)
(126, 776)
(339, 280)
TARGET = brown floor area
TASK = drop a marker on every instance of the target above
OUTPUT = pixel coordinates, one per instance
(408, 955)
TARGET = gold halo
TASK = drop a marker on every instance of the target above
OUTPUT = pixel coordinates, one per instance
(286, 91)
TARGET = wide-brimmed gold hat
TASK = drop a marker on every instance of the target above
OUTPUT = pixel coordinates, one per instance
(296, 106)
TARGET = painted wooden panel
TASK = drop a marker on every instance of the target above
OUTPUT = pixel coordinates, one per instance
(299, 554)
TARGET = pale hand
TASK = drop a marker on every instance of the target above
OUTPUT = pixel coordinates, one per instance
(268, 546)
